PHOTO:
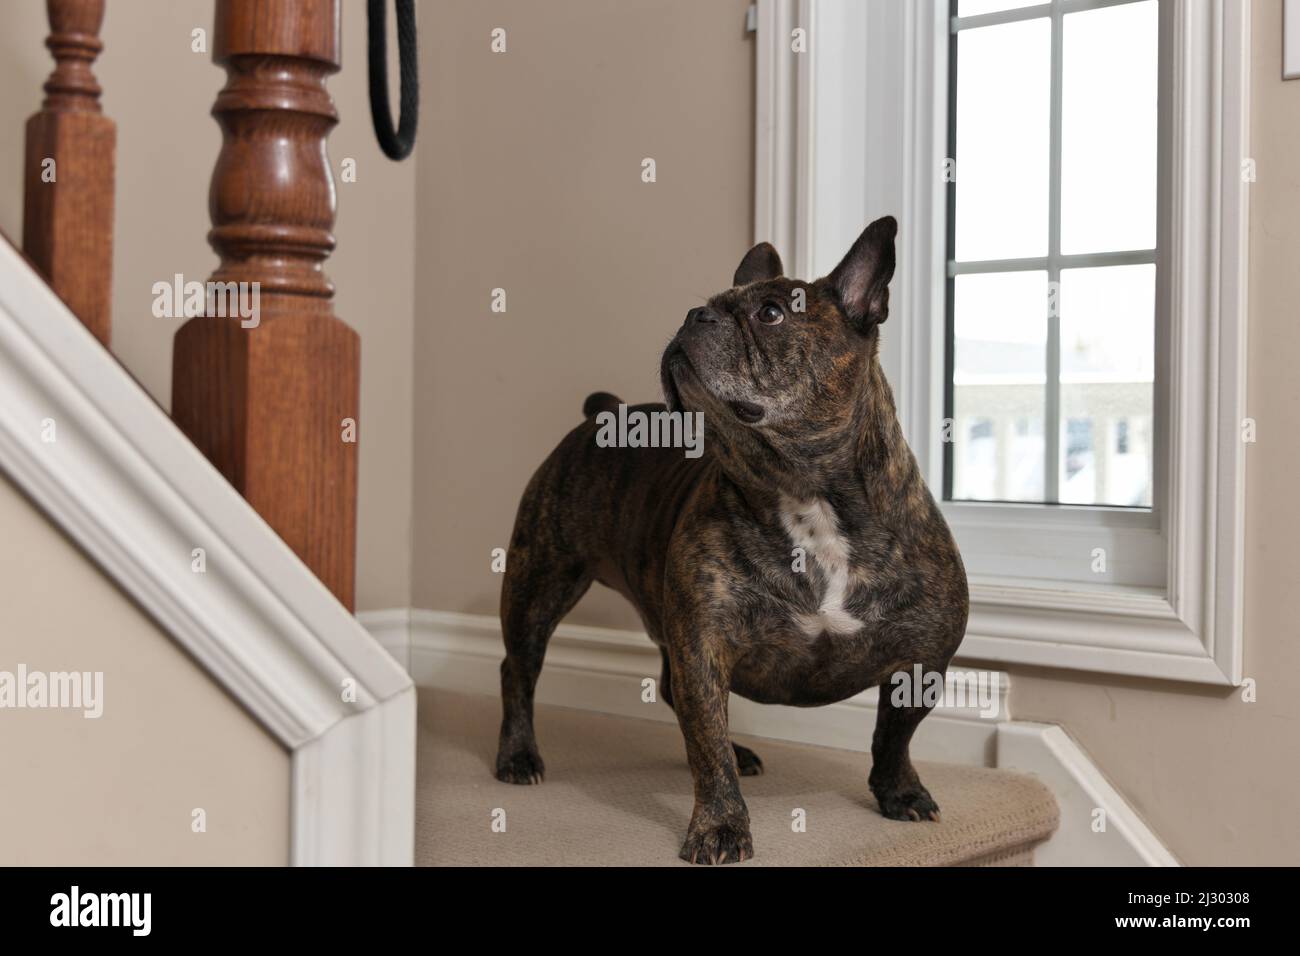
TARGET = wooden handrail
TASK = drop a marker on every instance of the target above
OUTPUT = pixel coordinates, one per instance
(69, 169)
(274, 402)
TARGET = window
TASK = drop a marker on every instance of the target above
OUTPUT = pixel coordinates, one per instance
(1051, 261)
(1066, 332)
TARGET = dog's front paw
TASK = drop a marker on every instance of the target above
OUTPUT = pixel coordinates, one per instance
(724, 841)
(907, 803)
(520, 766)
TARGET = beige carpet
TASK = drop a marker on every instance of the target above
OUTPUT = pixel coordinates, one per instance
(618, 793)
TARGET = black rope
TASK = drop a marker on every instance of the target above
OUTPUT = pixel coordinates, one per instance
(396, 145)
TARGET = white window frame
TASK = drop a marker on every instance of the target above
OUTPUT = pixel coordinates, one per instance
(819, 178)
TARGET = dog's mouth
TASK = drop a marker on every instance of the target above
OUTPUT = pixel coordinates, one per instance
(674, 362)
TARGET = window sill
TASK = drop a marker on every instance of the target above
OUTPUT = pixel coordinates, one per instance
(1116, 630)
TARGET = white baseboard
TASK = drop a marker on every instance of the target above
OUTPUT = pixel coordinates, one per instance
(602, 669)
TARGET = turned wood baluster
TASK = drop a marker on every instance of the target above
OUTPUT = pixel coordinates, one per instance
(68, 171)
(269, 404)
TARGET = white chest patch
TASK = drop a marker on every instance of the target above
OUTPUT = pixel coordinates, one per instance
(812, 526)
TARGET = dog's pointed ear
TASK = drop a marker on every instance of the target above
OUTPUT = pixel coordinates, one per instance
(761, 262)
(861, 280)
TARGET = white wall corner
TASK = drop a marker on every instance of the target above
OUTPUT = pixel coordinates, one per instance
(1098, 826)
(1291, 40)
(392, 629)
(354, 790)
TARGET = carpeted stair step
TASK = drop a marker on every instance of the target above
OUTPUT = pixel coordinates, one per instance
(618, 793)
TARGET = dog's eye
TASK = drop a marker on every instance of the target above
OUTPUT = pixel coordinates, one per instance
(771, 314)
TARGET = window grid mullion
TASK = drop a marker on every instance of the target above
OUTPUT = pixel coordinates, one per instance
(1020, 14)
(1078, 260)
(1052, 384)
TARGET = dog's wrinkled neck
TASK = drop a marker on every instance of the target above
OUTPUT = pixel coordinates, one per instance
(862, 463)
(879, 437)
(886, 469)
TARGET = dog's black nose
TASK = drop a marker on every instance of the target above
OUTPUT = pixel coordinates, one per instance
(701, 314)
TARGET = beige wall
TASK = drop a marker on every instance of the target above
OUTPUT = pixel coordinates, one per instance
(530, 181)
(160, 94)
(121, 789)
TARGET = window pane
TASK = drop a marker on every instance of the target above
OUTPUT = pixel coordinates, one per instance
(1107, 371)
(1108, 129)
(973, 8)
(999, 367)
(1003, 142)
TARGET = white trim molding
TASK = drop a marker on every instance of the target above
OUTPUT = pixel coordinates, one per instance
(782, 132)
(603, 670)
(132, 491)
(882, 69)
(1291, 40)
(1098, 827)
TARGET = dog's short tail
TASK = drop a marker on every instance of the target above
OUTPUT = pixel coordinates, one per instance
(598, 402)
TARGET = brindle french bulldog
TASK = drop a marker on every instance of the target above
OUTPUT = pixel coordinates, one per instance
(799, 560)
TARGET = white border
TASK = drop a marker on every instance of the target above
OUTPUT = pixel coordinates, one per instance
(1291, 40)
(1190, 629)
(602, 669)
(137, 496)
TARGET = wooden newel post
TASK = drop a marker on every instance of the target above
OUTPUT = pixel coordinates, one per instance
(68, 171)
(270, 390)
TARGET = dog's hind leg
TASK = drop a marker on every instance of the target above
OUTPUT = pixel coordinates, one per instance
(893, 779)
(748, 763)
(540, 587)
